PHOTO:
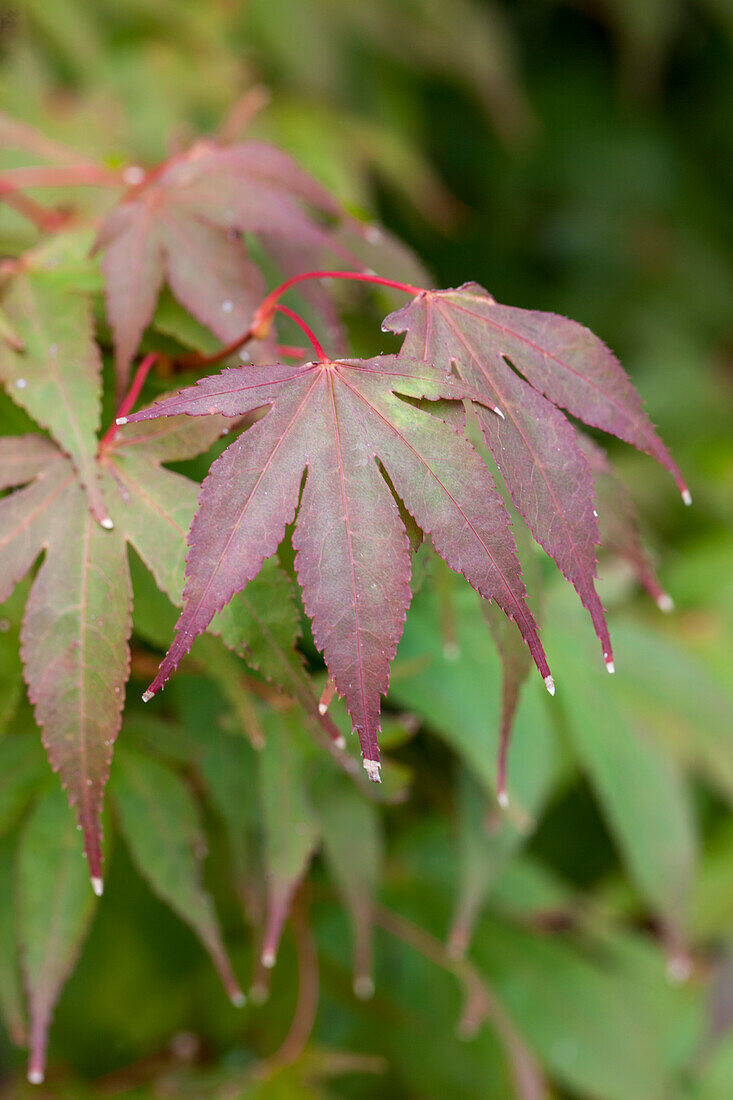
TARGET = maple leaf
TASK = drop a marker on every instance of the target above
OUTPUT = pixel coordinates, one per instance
(77, 621)
(346, 424)
(54, 373)
(619, 525)
(183, 223)
(531, 365)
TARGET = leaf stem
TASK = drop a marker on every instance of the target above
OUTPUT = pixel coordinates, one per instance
(61, 175)
(130, 398)
(47, 220)
(322, 357)
(265, 311)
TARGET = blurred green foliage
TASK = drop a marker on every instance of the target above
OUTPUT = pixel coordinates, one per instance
(576, 157)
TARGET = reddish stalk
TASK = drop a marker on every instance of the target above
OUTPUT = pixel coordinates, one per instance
(265, 311)
(322, 357)
(130, 398)
(46, 220)
(61, 175)
(195, 359)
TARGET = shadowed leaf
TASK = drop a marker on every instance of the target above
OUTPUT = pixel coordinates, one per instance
(160, 821)
(56, 906)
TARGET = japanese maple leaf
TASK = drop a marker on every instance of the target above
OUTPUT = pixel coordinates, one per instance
(183, 223)
(532, 365)
(79, 504)
(619, 524)
(345, 425)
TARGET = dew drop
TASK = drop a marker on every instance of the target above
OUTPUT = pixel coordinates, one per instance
(133, 175)
(227, 305)
(373, 234)
(53, 349)
(21, 383)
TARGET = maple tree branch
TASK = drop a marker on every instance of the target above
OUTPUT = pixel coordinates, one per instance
(322, 357)
(130, 398)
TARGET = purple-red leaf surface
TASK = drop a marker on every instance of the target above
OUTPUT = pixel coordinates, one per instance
(530, 364)
(183, 224)
(336, 428)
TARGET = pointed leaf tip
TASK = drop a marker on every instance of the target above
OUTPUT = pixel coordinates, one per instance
(371, 767)
(363, 987)
(147, 695)
(550, 684)
(97, 885)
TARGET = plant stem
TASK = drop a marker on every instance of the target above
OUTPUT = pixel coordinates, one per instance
(47, 220)
(130, 398)
(265, 311)
(195, 359)
(322, 357)
(61, 175)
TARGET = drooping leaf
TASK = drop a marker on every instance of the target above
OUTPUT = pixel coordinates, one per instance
(56, 907)
(483, 846)
(23, 771)
(183, 224)
(619, 526)
(11, 672)
(352, 845)
(531, 365)
(228, 768)
(160, 822)
(75, 655)
(12, 1007)
(460, 701)
(338, 420)
(291, 832)
(589, 1019)
(74, 633)
(642, 795)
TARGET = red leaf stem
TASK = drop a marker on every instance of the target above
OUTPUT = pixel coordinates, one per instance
(61, 175)
(322, 357)
(130, 398)
(265, 311)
